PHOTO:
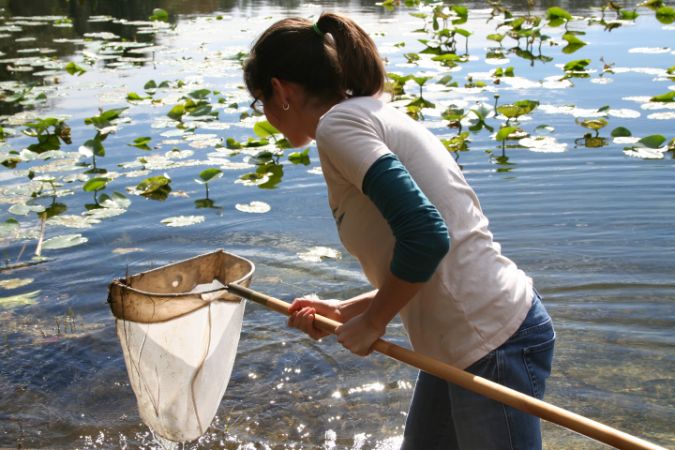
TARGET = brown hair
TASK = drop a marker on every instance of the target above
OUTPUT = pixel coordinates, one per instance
(335, 61)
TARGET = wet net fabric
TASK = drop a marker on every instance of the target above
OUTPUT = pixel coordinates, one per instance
(179, 351)
(179, 370)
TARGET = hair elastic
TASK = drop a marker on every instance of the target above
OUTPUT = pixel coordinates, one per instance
(317, 30)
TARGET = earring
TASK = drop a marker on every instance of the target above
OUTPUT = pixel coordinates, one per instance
(285, 106)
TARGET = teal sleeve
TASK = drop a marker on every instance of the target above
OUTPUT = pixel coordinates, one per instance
(422, 238)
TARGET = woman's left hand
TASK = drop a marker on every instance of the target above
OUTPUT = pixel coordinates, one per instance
(359, 334)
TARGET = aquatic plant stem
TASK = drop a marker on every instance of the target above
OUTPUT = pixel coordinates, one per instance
(482, 386)
(38, 248)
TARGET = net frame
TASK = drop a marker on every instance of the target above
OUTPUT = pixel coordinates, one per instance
(149, 302)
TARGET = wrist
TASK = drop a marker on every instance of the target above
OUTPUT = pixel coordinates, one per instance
(375, 321)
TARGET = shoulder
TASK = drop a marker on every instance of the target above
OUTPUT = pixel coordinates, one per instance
(351, 112)
(358, 115)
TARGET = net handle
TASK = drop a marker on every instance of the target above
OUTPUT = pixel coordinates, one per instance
(482, 386)
(168, 294)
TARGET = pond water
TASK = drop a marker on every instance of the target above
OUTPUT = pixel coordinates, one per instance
(590, 221)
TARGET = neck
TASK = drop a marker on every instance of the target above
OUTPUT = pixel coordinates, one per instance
(313, 114)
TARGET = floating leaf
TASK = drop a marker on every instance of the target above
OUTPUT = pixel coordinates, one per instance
(453, 113)
(9, 227)
(53, 210)
(578, 65)
(667, 97)
(153, 184)
(200, 94)
(232, 144)
(142, 143)
(518, 108)
(592, 141)
(420, 102)
(159, 14)
(253, 207)
(117, 201)
(105, 118)
(621, 132)
(543, 144)
(264, 129)
(95, 184)
(574, 43)
(457, 143)
(300, 157)
(496, 37)
(11, 162)
(202, 110)
(23, 209)
(628, 15)
(74, 69)
(177, 112)
(132, 96)
(182, 221)
(209, 174)
(124, 251)
(71, 221)
(557, 16)
(64, 241)
(643, 153)
(29, 298)
(317, 254)
(654, 141)
(92, 147)
(100, 213)
(665, 14)
(13, 283)
(594, 124)
(504, 133)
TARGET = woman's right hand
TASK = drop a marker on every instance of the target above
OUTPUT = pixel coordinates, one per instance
(302, 312)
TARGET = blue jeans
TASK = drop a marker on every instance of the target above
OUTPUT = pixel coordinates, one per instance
(444, 416)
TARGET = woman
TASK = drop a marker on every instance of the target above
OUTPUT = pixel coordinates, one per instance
(399, 201)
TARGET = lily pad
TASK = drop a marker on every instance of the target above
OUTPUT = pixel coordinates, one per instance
(253, 207)
(209, 174)
(9, 227)
(543, 144)
(125, 250)
(24, 210)
(14, 283)
(317, 254)
(104, 213)
(14, 301)
(644, 153)
(72, 221)
(64, 241)
(182, 221)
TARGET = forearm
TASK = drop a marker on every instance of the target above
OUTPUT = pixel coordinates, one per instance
(360, 332)
(356, 305)
(394, 294)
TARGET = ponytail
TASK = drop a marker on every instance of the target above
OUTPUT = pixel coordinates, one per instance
(332, 59)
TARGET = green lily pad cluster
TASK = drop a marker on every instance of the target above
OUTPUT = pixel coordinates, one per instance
(53, 167)
(528, 31)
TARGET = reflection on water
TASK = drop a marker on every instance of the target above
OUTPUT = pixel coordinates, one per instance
(592, 226)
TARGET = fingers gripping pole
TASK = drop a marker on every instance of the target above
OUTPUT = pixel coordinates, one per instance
(482, 386)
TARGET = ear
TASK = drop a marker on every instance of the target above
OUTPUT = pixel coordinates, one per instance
(280, 89)
(286, 91)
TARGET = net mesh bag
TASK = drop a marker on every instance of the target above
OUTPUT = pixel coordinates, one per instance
(179, 330)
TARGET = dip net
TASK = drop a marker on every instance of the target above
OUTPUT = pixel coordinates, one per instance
(179, 330)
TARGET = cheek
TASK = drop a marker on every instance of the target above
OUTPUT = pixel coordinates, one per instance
(272, 118)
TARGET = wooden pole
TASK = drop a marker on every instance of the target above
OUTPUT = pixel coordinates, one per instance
(482, 386)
